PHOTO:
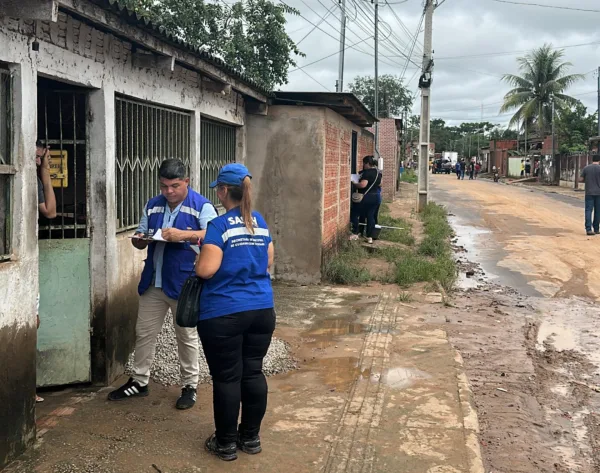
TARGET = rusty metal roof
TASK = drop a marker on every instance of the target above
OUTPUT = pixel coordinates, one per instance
(346, 104)
(142, 21)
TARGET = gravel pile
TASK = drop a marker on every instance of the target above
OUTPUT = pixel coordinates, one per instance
(165, 368)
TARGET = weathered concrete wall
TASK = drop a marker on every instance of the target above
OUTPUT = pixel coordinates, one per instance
(285, 152)
(74, 52)
(19, 277)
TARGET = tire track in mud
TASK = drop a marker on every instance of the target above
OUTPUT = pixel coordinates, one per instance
(351, 451)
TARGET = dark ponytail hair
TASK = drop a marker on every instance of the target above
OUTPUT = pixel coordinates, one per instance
(243, 194)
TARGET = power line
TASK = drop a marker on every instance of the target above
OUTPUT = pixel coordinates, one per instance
(315, 27)
(391, 44)
(324, 86)
(511, 53)
(327, 57)
(557, 7)
(331, 36)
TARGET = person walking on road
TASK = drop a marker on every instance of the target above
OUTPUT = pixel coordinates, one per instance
(477, 169)
(463, 167)
(457, 169)
(471, 171)
(590, 175)
(236, 314)
(181, 215)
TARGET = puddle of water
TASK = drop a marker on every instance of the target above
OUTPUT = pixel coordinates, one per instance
(400, 378)
(341, 372)
(561, 337)
(336, 327)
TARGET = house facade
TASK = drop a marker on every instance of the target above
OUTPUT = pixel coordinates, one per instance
(302, 153)
(112, 95)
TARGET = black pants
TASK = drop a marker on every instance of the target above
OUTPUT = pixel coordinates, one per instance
(235, 346)
(365, 208)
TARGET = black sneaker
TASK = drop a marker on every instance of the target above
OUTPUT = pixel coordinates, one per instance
(590, 233)
(251, 446)
(187, 398)
(130, 389)
(227, 453)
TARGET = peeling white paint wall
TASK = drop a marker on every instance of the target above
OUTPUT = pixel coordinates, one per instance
(74, 52)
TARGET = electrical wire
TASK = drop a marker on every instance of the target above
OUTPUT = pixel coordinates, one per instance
(316, 26)
(327, 57)
(512, 53)
(324, 86)
(541, 5)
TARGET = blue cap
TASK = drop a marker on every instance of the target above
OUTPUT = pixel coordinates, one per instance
(231, 175)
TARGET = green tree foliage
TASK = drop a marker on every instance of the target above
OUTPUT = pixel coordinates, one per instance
(249, 35)
(543, 78)
(394, 98)
(574, 127)
(462, 139)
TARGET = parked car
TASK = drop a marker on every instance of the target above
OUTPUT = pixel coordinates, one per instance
(442, 166)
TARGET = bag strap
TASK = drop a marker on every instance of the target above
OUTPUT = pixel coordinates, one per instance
(371, 186)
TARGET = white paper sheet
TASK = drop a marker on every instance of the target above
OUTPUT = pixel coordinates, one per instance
(355, 178)
(158, 236)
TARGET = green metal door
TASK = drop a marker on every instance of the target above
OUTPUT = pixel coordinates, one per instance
(63, 355)
(64, 335)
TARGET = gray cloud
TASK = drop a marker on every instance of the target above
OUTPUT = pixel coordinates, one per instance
(461, 28)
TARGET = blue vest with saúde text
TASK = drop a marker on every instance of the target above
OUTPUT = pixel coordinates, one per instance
(178, 258)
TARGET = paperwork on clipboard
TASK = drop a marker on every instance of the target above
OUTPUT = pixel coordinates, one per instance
(156, 237)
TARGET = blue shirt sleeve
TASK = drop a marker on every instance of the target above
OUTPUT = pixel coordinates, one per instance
(143, 226)
(214, 234)
(207, 213)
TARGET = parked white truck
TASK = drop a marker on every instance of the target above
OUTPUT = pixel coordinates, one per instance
(451, 156)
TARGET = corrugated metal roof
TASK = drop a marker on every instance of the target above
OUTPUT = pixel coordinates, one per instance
(346, 104)
(158, 30)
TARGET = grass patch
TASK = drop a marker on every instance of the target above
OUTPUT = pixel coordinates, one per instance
(409, 176)
(437, 232)
(414, 268)
(345, 267)
(405, 297)
(403, 236)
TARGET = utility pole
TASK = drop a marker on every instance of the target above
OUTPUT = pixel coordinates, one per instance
(479, 136)
(598, 101)
(425, 84)
(376, 34)
(340, 82)
(553, 163)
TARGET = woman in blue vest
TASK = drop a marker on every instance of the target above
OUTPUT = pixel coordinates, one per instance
(236, 316)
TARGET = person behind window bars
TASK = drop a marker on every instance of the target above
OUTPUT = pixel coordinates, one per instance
(46, 199)
(181, 215)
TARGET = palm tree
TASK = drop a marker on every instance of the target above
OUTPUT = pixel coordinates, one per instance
(543, 79)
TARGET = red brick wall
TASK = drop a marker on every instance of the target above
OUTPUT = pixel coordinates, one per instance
(336, 198)
(389, 149)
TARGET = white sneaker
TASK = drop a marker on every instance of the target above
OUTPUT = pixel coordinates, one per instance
(370, 240)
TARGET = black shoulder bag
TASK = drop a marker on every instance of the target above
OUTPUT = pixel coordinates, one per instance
(189, 302)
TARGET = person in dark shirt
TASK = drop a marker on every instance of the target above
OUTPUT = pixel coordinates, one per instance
(463, 167)
(369, 181)
(590, 175)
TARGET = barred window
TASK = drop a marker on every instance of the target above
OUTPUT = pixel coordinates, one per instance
(7, 170)
(146, 135)
(217, 148)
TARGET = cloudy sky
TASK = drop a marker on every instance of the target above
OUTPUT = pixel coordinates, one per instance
(478, 31)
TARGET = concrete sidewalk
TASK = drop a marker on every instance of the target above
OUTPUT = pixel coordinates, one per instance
(379, 389)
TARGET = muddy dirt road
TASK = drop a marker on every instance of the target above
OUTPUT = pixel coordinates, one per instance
(530, 239)
(527, 324)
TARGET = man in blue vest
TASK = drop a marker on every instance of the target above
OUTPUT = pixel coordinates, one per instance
(181, 215)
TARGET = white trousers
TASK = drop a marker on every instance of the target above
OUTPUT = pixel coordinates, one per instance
(154, 305)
